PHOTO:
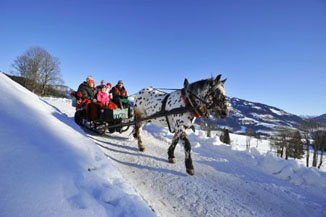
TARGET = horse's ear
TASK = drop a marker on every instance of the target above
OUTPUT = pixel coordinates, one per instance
(186, 83)
(223, 81)
(218, 78)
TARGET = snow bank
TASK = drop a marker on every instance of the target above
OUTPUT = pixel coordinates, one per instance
(269, 163)
(49, 168)
(291, 170)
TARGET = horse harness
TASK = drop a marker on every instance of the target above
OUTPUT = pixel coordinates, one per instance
(197, 111)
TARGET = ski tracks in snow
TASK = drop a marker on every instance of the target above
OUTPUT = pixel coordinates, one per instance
(222, 184)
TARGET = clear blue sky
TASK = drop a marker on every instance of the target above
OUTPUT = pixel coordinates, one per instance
(271, 51)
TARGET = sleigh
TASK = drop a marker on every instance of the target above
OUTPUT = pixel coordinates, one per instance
(99, 118)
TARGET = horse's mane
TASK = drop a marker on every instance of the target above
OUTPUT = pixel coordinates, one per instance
(199, 84)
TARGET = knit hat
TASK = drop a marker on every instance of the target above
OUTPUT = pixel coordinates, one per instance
(109, 85)
(89, 78)
(120, 82)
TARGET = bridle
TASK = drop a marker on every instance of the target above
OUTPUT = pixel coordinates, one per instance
(190, 100)
(201, 110)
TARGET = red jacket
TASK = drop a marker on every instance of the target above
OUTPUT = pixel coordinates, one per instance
(116, 92)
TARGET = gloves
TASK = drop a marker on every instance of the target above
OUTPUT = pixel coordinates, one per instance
(94, 100)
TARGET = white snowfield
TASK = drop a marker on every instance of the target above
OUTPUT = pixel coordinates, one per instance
(44, 157)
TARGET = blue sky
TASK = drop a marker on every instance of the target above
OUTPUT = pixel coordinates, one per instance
(271, 51)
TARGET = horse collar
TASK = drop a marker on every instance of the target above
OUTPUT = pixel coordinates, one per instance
(192, 103)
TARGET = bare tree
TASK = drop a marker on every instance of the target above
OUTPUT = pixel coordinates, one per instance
(50, 72)
(249, 134)
(308, 127)
(307, 141)
(258, 139)
(206, 127)
(37, 66)
(319, 138)
(323, 149)
(281, 141)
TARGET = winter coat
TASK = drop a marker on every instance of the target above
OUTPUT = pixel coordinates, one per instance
(102, 97)
(119, 95)
(87, 91)
(119, 92)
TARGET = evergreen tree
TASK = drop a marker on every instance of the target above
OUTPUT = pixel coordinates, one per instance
(295, 149)
(225, 137)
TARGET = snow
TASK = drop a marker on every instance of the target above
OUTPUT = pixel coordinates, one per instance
(44, 159)
(278, 112)
(247, 120)
(264, 117)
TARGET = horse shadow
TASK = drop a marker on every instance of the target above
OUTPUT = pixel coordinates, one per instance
(137, 154)
(144, 167)
(116, 137)
(100, 143)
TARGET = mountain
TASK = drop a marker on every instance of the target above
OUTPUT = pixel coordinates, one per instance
(306, 117)
(261, 118)
(321, 119)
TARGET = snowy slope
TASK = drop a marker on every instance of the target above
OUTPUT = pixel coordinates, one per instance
(227, 182)
(44, 162)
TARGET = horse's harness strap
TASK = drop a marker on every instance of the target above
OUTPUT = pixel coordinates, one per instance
(188, 101)
(163, 110)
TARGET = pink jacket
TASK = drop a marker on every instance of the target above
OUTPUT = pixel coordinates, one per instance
(103, 98)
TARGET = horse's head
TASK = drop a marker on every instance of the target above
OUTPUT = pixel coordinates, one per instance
(210, 94)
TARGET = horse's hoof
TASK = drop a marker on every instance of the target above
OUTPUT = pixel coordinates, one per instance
(141, 148)
(172, 160)
(191, 172)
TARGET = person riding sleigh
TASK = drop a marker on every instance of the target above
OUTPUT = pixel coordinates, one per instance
(120, 96)
(87, 93)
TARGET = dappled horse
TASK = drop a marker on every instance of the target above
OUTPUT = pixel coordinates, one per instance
(195, 100)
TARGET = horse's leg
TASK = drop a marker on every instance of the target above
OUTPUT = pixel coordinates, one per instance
(172, 147)
(187, 148)
(138, 130)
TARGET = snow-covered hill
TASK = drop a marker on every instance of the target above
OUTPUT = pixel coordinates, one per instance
(44, 163)
(259, 117)
(45, 157)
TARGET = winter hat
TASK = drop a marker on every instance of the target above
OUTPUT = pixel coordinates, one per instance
(89, 78)
(120, 82)
(109, 85)
(91, 82)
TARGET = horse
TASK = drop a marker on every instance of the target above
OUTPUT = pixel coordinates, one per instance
(195, 100)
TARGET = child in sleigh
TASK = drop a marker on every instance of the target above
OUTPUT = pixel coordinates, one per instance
(104, 99)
